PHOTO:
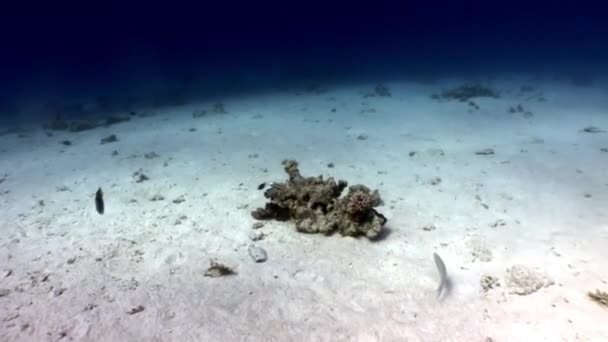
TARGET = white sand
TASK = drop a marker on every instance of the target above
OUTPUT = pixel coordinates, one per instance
(69, 273)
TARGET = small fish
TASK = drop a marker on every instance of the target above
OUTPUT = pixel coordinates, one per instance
(444, 281)
(99, 201)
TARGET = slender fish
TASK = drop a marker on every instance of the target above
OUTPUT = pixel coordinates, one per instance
(99, 201)
(444, 281)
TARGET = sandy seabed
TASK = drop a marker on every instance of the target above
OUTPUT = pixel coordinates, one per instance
(137, 273)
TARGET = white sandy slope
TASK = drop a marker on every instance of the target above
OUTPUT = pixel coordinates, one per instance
(71, 274)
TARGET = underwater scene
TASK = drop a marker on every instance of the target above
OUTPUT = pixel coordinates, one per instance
(406, 171)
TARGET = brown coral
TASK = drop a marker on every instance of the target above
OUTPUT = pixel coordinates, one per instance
(314, 204)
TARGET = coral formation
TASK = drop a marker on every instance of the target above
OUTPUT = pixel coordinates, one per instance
(314, 204)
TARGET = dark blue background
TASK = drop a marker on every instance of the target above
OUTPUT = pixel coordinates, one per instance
(106, 49)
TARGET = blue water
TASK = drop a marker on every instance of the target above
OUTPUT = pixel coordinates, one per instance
(97, 58)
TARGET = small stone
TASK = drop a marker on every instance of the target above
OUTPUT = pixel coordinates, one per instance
(58, 292)
(151, 155)
(592, 129)
(257, 235)
(257, 225)
(435, 181)
(330, 165)
(109, 139)
(498, 223)
(362, 137)
(485, 152)
(179, 200)
(429, 228)
(217, 269)
(5, 292)
(157, 197)
(258, 254)
(136, 309)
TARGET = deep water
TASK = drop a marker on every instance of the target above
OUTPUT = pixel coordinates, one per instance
(75, 61)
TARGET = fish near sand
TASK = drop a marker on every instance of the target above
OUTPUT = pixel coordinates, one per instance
(445, 284)
(99, 205)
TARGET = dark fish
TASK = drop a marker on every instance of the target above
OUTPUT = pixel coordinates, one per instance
(99, 201)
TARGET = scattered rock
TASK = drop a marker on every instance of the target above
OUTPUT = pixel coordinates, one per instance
(157, 197)
(435, 181)
(62, 188)
(592, 129)
(258, 254)
(488, 283)
(199, 113)
(412, 153)
(257, 235)
(465, 93)
(522, 280)
(382, 91)
(498, 223)
(519, 109)
(59, 291)
(136, 309)
(604, 149)
(66, 142)
(330, 165)
(429, 227)
(179, 200)
(114, 153)
(5, 292)
(362, 136)
(151, 155)
(218, 270)
(262, 186)
(257, 225)
(140, 176)
(218, 108)
(109, 139)
(485, 152)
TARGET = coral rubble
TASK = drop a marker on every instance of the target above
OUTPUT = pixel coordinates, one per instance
(599, 297)
(466, 92)
(315, 205)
